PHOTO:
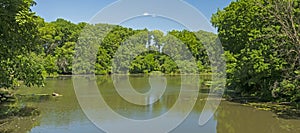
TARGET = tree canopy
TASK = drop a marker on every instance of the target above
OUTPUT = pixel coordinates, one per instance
(19, 44)
(261, 38)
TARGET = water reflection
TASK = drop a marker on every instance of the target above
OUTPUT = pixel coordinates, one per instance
(63, 114)
(233, 118)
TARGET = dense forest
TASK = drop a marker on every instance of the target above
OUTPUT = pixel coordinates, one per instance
(262, 43)
(261, 39)
(57, 42)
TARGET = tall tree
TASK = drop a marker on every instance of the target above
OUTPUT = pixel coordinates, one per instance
(18, 39)
(261, 37)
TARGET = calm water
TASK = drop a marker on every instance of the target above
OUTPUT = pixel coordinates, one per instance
(64, 115)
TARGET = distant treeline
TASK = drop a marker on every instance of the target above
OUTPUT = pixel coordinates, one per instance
(59, 38)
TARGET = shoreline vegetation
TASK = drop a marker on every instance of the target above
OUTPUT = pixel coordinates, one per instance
(262, 53)
(10, 106)
(12, 111)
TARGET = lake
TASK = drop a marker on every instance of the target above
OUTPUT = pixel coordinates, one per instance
(64, 114)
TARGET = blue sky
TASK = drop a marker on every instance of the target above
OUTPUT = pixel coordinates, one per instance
(84, 10)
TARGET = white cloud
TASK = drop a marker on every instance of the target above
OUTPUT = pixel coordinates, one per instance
(146, 14)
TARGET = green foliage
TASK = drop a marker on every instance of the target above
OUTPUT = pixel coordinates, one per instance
(17, 109)
(32, 48)
(259, 38)
(65, 56)
(58, 39)
(18, 39)
(50, 65)
(131, 45)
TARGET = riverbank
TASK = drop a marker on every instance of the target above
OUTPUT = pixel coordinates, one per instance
(17, 110)
(12, 112)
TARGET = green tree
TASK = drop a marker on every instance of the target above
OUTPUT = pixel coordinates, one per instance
(18, 39)
(58, 39)
(261, 39)
(64, 57)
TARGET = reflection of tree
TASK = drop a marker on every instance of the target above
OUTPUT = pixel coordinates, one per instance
(140, 83)
(19, 124)
(118, 104)
(230, 117)
(56, 111)
(234, 118)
